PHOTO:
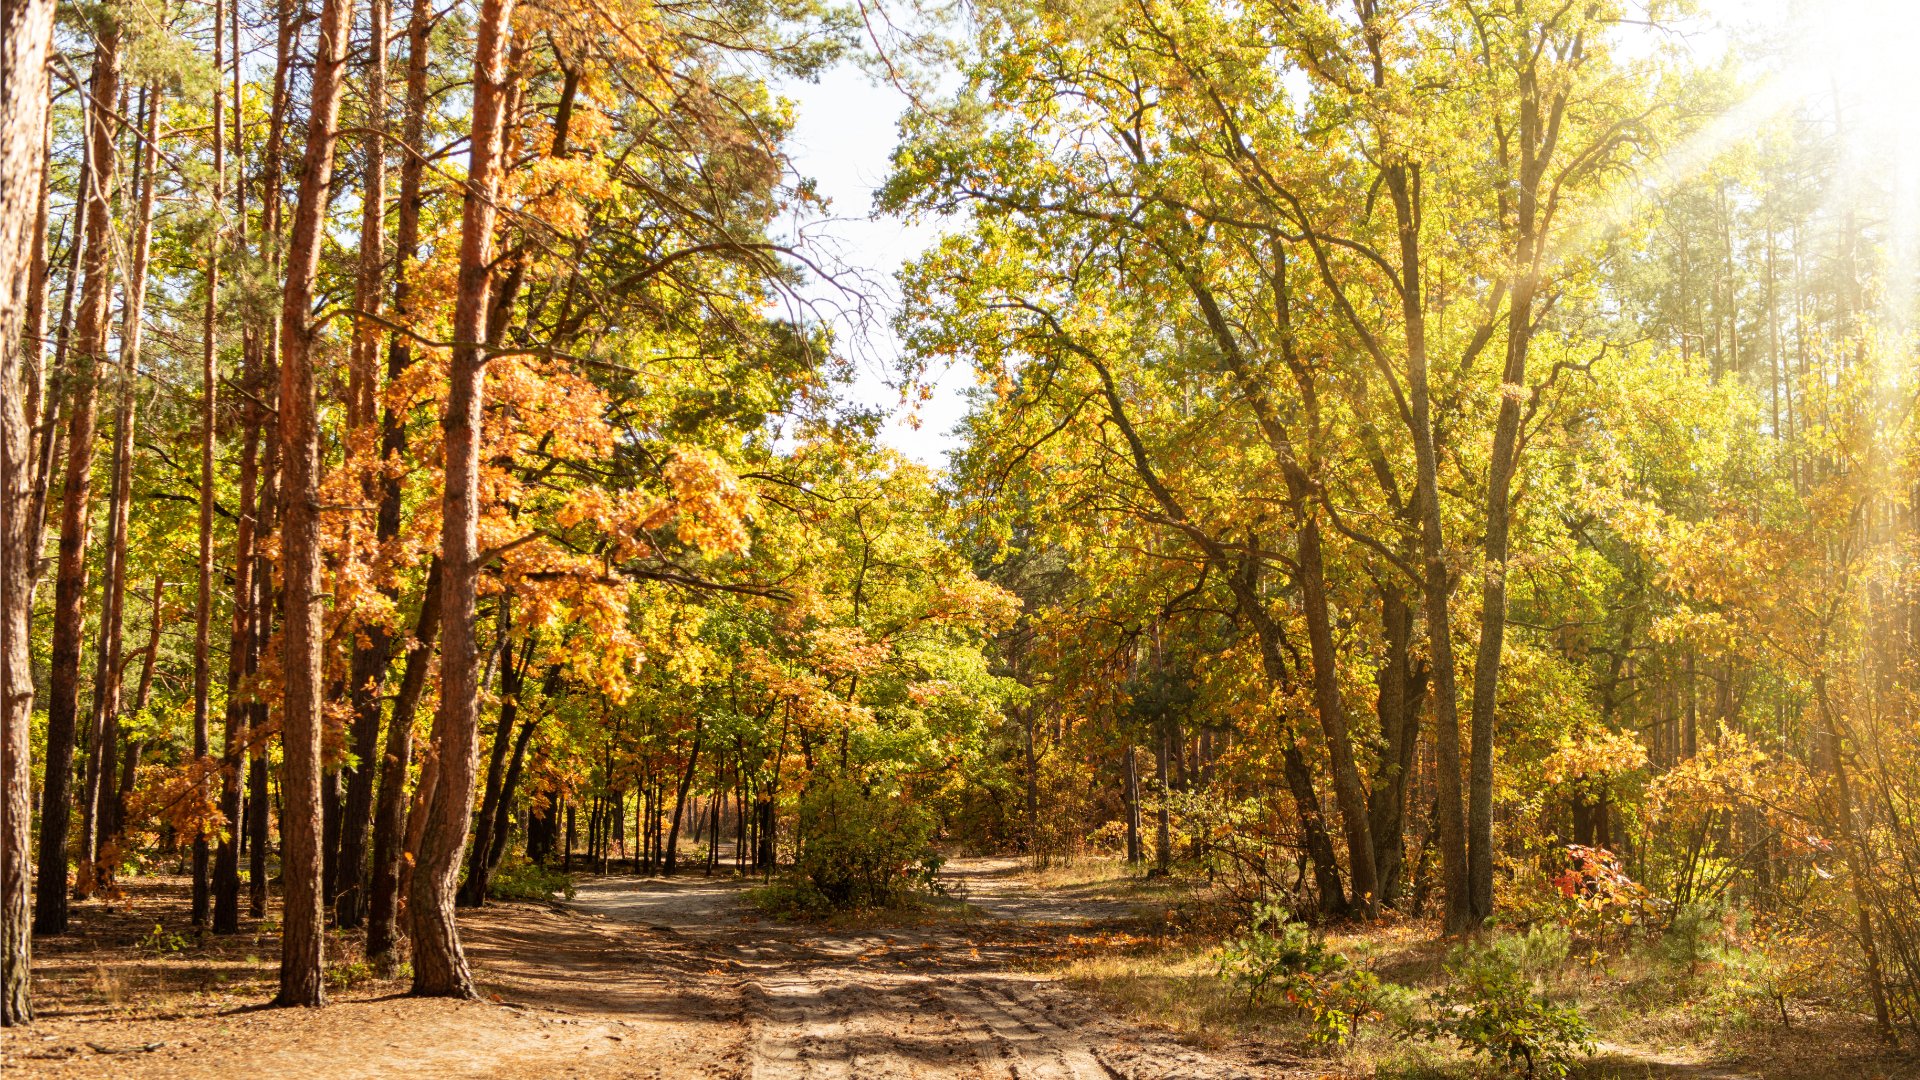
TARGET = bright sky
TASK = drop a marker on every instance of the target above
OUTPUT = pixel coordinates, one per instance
(846, 131)
(843, 138)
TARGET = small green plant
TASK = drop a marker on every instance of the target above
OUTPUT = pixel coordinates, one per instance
(1280, 957)
(1493, 1007)
(162, 943)
(347, 976)
(528, 881)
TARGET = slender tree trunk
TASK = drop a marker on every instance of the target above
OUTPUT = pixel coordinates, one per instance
(390, 817)
(1133, 804)
(370, 662)
(26, 35)
(512, 680)
(680, 800)
(1438, 586)
(96, 857)
(1163, 840)
(209, 388)
(503, 818)
(302, 966)
(439, 966)
(69, 604)
(264, 604)
(1401, 690)
(1033, 788)
(371, 659)
(131, 767)
(242, 662)
(1349, 790)
(50, 435)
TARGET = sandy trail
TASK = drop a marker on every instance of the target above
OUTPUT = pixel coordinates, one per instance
(935, 1001)
(636, 977)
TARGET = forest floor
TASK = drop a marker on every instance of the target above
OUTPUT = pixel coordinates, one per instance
(635, 977)
(1022, 974)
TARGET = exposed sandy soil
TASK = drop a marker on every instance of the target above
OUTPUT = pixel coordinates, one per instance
(636, 978)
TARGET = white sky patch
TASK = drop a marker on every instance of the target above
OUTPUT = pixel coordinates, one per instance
(843, 139)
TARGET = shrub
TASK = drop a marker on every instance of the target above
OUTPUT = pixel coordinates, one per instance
(1492, 1006)
(860, 849)
(1698, 934)
(528, 881)
(1276, 955)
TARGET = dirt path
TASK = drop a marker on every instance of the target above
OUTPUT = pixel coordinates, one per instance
(637, 977)
(929, 1001)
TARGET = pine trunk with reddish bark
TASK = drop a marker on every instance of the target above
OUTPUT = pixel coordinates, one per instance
(302, 966)
(26, 36)
(70, 584)
(439, 966)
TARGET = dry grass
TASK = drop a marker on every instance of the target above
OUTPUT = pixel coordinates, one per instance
(1083, 871)
(1651, 1020)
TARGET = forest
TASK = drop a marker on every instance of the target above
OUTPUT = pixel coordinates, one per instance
(1426, 581)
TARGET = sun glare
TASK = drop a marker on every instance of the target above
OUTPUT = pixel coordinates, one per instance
(1849, 66)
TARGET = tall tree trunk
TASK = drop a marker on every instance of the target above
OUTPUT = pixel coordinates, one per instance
(1402, 181)
(371, 660)
(70, 586)
(302, 967)
(439, 966)
(26, 36)
(1162, 838)
(102, 763)
(1310, 576)
(242, 662)
(390, 817)
(209, 401)
(265, 601)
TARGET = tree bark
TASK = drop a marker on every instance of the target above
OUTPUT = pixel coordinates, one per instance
(1402, 687)
(96, 860)
(265, 600)
(680, 801)
(302, 966)
(50, 437)
(503, 818)
(1133, 804)
(439, 966)
(512, 680)
(69, 604)
(26, 36)
(1402, 182)
(130, 769)
(209, 401)
(390, 818)
(370, 659)
(243, 655)
(1310, 576)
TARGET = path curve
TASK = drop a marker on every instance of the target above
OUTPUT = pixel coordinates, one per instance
(943, 1001)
